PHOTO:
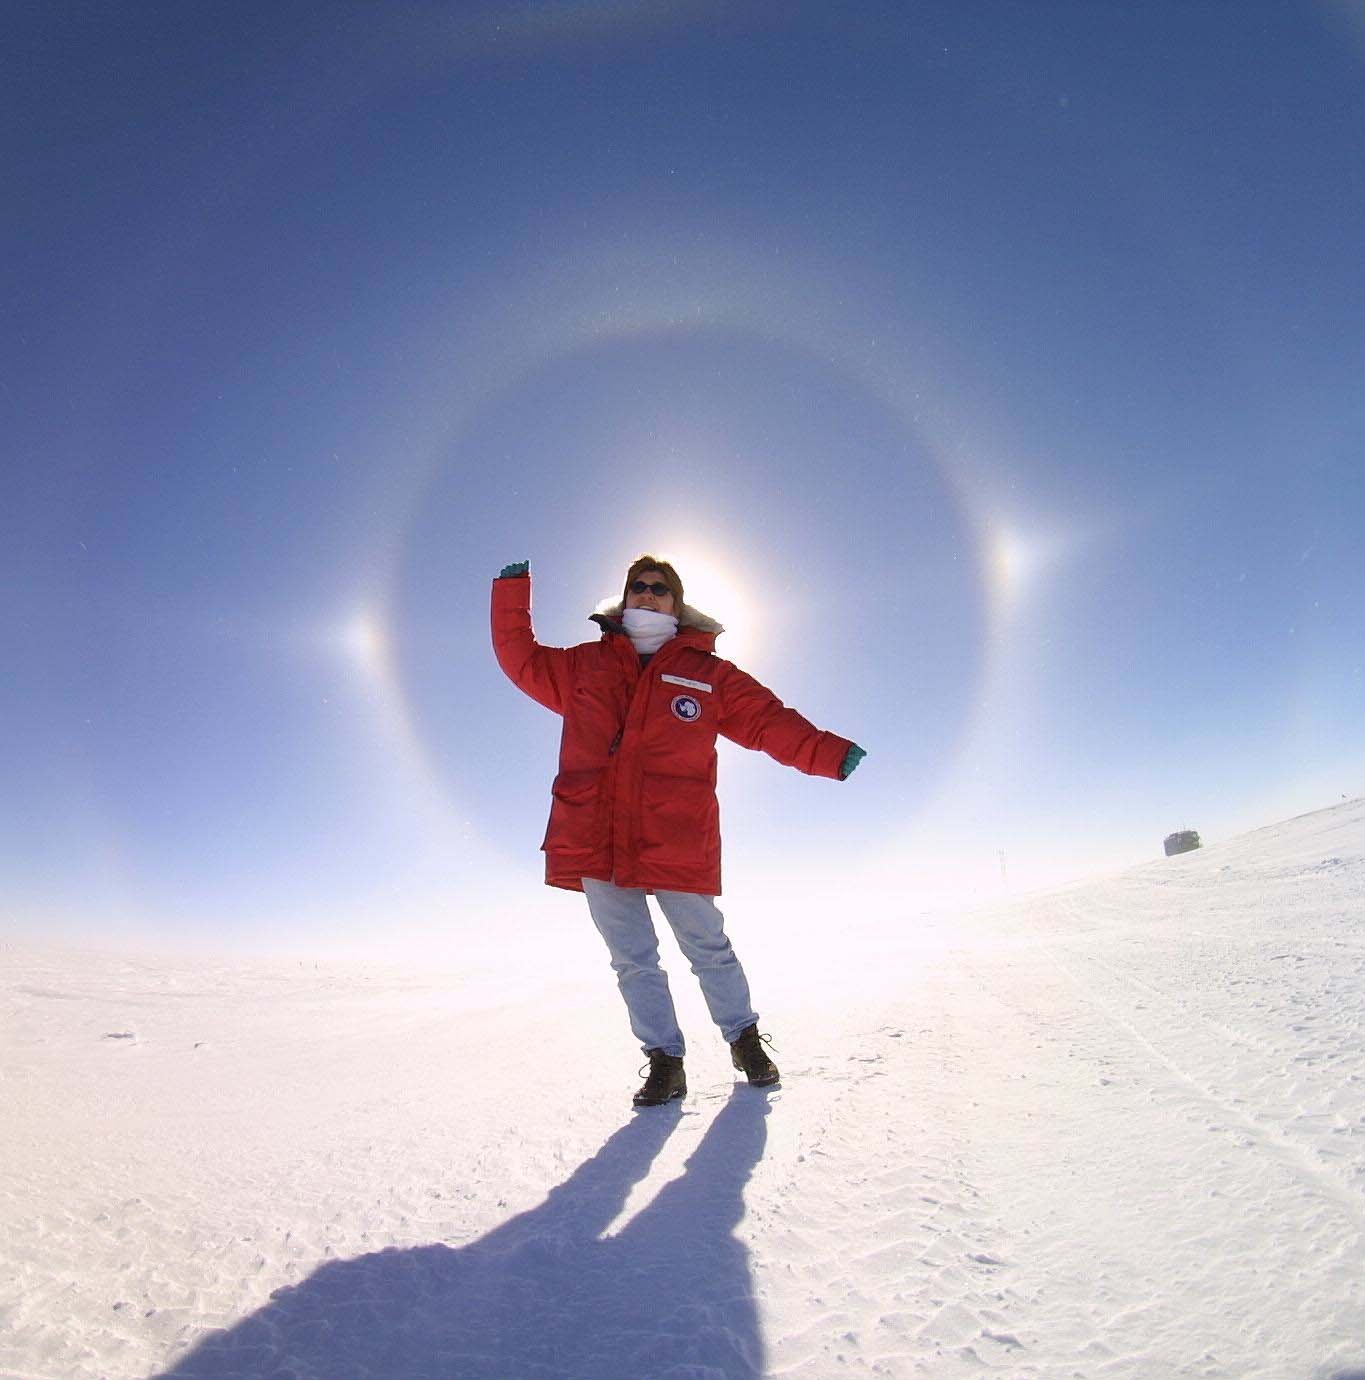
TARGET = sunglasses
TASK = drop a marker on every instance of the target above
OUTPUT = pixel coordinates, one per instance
(656, 589)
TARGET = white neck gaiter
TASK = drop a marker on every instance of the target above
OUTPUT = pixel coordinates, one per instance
(648, 630)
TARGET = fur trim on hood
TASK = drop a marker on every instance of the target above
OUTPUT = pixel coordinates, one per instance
(608, 614)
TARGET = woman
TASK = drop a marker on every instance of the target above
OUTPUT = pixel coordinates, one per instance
(634, 804)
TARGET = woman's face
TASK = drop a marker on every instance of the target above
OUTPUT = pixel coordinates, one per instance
(646, 598)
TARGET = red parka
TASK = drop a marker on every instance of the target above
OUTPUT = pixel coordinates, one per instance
(635, 799)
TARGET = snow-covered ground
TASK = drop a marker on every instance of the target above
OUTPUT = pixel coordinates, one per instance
(1112, 1131)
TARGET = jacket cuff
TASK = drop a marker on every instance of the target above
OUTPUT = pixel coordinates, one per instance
(854, 755)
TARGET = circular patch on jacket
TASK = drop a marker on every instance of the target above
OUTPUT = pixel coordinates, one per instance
(687, 708)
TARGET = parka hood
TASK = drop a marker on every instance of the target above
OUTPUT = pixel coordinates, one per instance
(607, 615)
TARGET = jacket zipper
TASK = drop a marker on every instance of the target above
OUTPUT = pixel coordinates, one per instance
(616, 741)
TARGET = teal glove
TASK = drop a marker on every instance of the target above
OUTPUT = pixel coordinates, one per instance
(520, 568)
(852, 757)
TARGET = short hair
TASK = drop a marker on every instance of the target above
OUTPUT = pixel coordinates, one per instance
(665, 568)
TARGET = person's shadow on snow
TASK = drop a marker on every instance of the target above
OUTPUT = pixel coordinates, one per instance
(545, 1296)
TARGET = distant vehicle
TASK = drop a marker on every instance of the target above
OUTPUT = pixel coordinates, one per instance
(1184, 841)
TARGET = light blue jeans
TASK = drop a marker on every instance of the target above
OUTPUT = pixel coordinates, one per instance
(622, 916)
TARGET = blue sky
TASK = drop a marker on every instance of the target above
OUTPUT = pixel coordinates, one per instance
(991, 370)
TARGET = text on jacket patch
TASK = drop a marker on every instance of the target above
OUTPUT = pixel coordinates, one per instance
(690, 684)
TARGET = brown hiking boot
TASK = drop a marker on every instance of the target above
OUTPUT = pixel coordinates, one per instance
(751, 1059)
(666, 1080)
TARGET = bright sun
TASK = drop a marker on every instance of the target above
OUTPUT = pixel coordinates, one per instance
(713, 588)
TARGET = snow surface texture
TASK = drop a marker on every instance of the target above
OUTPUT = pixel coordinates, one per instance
(1116, 1131)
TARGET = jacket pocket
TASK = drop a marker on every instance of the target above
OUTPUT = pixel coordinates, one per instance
(577, 811)
(679, 820)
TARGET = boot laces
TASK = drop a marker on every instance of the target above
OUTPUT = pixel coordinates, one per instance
(750, 1053)
(656, 1066)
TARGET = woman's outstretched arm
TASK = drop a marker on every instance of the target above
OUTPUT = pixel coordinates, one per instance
(754, 717)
